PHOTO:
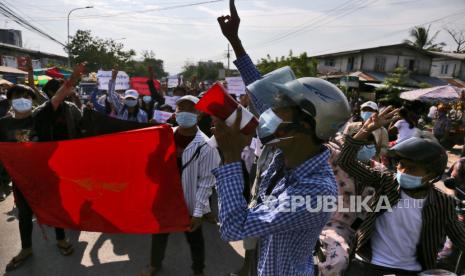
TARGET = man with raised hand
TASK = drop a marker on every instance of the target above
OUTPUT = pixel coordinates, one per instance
(296, 116)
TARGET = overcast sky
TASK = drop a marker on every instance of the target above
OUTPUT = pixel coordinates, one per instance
(178, 35)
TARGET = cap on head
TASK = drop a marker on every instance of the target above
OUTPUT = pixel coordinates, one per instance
(371, 105)
(189, 98)
(426, 152)
(131, 93)
(20, 89)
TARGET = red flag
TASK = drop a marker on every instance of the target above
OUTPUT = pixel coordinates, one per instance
(54, 73)
(217, 102)
(126, 182)
(140, 85)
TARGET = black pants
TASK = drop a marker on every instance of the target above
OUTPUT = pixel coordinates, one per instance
(196, 243)
(360, 268)
(25, 220)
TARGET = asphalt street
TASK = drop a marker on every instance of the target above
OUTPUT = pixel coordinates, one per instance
(104, 254)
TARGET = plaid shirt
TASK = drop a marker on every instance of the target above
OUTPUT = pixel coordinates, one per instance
(286, 239)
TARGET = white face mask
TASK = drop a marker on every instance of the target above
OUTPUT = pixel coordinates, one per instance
(21, 105)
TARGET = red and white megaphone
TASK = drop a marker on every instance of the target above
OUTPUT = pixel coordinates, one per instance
(217, 102)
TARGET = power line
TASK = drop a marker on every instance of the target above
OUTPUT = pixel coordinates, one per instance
(9, 13)
(396, 32)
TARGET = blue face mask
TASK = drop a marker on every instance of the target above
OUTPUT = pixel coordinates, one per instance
(147, 99)
(267, 127)
(366, 153)
(409, 182)
(366, 115)
(186, 119)
(130, 102)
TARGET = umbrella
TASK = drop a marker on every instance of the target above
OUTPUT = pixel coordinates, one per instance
(446, 94)
(42, 80)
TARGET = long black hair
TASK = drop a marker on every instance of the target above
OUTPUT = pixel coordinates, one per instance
(404, 114)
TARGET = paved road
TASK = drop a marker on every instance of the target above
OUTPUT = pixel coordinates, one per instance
(103, 254)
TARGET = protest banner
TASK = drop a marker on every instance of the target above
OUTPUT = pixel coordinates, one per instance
(130, 189)
(236, 85)
(140, 85)
(122, 80)
(171, 101)
(174, 81)
(161, 116)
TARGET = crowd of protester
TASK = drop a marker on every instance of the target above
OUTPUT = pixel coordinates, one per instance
(308, 143)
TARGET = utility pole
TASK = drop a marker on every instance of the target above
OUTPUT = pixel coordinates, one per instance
(228, 55)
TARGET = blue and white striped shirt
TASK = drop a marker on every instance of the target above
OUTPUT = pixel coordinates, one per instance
(123, 113)
(286, 239)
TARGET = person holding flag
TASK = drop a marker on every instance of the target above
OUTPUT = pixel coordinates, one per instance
(297, 117)
(28, 126)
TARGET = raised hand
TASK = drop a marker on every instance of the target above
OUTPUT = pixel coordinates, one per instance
(78, 70)
(114, 73)
(230, 23)
(379, 120)
(151, 73)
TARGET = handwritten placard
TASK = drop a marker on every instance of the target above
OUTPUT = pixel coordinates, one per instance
(122, 80)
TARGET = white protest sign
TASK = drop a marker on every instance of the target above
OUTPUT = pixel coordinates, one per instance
(236, 85)
(161, 116)
(173, 81)
(171, 101)
(122, 80)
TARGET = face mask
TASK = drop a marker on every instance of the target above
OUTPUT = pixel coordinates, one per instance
(186, 119)
(366, 153)
(409, 182)
(267, 127)
(130, 102)
(22, 105)
(147, 99)
(366, 115)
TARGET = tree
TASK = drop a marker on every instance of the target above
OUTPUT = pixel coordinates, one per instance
(422, 39)
(139, 68)
(202, 71)
(459, 38)
(98, 52)
(303, 66)
(390, 90)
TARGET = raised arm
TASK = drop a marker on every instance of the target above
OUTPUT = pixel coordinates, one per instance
(113, 97)
(156, 96)
(67, 88)
(230, 28)
(30, 79)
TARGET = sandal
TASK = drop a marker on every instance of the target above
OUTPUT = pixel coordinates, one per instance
(17, 261)
(65, 250)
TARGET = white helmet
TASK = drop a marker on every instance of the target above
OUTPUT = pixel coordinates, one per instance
(320, 99)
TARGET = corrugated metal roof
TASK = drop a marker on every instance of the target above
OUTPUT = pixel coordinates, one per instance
(449, 55)
(4, 45)
(11, 70)
(355, 51)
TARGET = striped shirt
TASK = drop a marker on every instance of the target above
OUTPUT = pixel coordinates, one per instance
(121, 109)
(197, 179)
(439, 218)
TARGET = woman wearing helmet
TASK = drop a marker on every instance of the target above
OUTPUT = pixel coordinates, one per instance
(407, 238)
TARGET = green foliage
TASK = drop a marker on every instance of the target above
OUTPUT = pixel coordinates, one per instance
(303, 66)
(140, 68)
(98, 52)
(202, 71)
(424, 85)
(422, 39)
(390, 91)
